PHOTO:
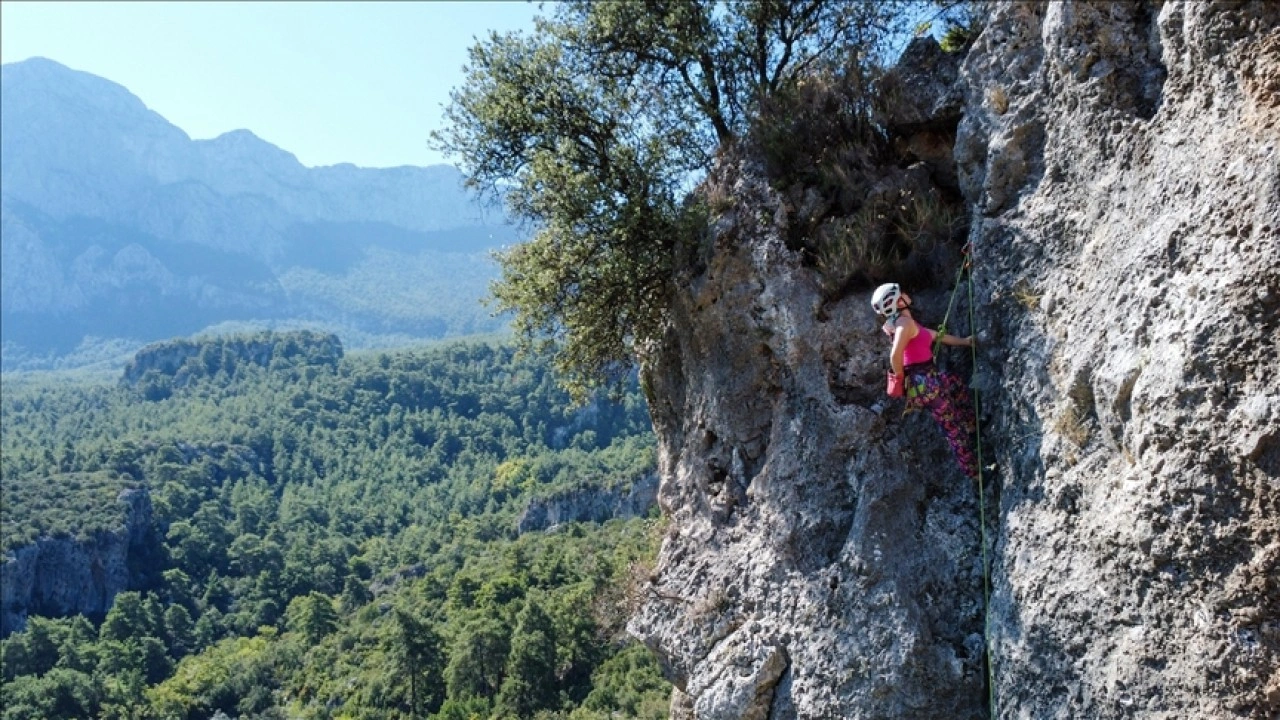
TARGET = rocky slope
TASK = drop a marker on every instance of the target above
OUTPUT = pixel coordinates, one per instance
(824, 559)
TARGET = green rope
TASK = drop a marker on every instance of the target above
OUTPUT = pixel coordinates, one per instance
(942, 329)
(982, 516)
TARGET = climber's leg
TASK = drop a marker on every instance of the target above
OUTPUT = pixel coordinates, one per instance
(951, 409)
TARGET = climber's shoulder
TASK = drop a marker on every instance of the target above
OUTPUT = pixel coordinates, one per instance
(908, 325)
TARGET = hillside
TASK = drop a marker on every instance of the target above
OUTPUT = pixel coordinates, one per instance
(116, 225)
(287, 529)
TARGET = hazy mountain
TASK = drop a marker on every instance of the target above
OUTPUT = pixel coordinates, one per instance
(116, 224)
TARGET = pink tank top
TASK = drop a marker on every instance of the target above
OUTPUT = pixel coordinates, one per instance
(920, 348)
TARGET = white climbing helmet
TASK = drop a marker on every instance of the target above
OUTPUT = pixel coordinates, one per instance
(885, 299)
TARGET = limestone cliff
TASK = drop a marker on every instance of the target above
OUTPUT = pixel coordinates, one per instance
(590, 503)
(824, 556)
(1128, 249)
(62, 575)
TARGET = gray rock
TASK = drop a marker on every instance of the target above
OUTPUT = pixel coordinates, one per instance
(59, 576)
(922, 90)
(1121, 163)
(1132, 181)
(790, 509)
(739, 679)
(590, 504)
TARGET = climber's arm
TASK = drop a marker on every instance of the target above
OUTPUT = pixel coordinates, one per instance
(957, 341)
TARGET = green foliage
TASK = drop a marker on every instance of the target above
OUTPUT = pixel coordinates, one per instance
(35, 651)
(818, 132)
(530, 682)
(849, 208)
(157, 368)
(73, 504)
(962, 21)
(477, 658)
(954, 23)
(592, 128)
(958, 37)
(59, 693)
(888, 237)
(312, 616)
(534, 111)
(417, 653)
(222, 678)
(339, 539)
(628, 683)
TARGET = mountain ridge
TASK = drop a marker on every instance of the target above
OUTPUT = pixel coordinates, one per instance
(108, 208)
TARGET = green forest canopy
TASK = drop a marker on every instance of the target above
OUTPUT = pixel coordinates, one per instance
(336, 540)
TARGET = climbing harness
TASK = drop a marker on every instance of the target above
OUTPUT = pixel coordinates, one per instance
(891, 290)
(916, 374)
(917, 388)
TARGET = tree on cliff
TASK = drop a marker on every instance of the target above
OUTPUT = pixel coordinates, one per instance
(593, 127)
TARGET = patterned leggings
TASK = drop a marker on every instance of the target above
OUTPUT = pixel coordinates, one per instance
(945, 396)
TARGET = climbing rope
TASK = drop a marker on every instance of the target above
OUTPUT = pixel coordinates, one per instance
(942, 329)
(966, 264)
(982, 506)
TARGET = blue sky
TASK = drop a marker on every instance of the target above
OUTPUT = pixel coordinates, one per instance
(330, 82)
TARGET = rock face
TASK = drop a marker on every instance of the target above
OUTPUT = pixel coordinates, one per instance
(60, 576)
(1128, 255)
(590, 504)
(824, 554)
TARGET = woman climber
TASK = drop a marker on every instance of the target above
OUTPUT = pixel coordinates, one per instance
(942, 393)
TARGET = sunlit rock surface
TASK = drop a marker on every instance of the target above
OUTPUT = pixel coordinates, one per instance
(823, 557)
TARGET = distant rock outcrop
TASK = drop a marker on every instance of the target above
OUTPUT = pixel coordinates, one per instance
(824, 556)
(590, 504)
(60, 576)
(182, 359)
